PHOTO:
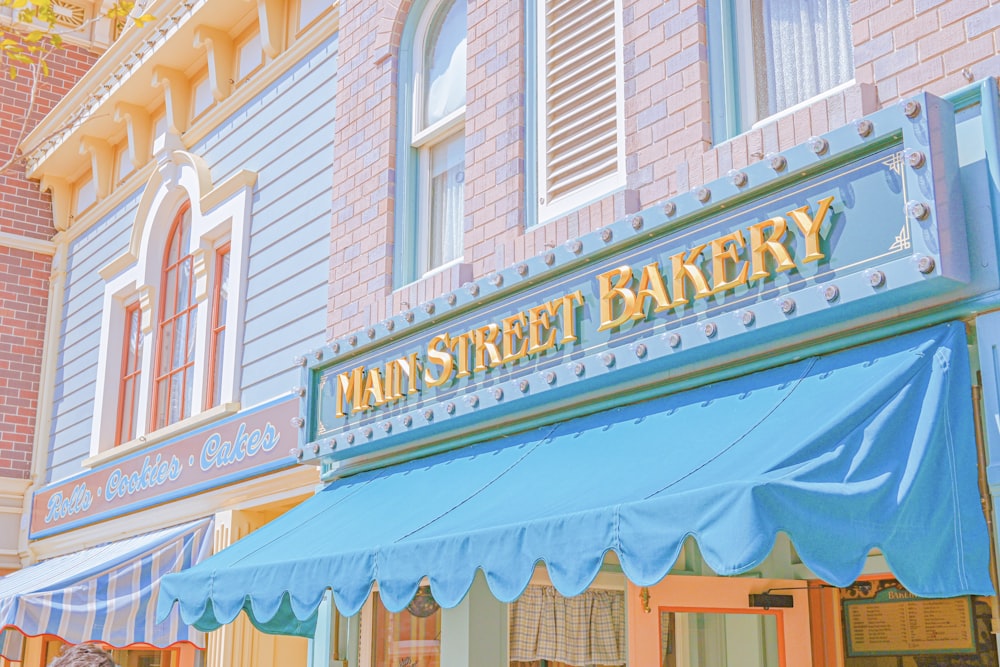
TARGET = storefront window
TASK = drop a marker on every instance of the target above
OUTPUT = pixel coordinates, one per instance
(550, 630)
(697, 639)
(410, 638)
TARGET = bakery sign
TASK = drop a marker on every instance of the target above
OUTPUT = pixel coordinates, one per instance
(622, 295)
(858, 225)
(249, 444)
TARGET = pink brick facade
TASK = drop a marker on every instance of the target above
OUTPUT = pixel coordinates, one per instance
(24, 275)
(900, 47)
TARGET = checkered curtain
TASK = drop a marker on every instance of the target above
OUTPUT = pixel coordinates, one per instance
(588, 629)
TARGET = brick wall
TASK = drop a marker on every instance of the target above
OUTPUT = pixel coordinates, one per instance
(24, 281)
(901, 47)
(24, 275)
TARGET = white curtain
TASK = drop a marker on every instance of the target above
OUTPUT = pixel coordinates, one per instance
(808, 49)
(588, 629)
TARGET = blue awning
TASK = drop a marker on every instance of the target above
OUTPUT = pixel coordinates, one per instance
(868, 448)
(104, 593)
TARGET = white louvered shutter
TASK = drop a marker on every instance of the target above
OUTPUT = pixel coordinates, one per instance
(580, 124)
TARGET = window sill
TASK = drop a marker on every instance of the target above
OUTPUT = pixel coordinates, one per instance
(165, 433)
(842, 89)
(804, 104)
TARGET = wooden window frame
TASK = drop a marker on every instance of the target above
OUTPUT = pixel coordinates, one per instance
(126, 396)
(217, 328)
(163, 375)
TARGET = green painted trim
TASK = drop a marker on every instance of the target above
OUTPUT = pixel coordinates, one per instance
(404, 215)
(723, 72)
(832, 340)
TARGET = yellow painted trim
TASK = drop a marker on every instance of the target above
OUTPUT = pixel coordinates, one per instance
(18, 242)
(62, 194)
(13, 493)
(47, 379)
(101, 209)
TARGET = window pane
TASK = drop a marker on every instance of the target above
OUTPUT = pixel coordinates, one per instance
(586, 629)
(202, 96)
(251, 56)
(175, 331)
(128, 405)
(444, 70)
(405, 640)
(125, 166)
(309, 10)
(184, 284)
(808, 49)
(447, 201)
(86, 194)
(221, 304)
(718, 640)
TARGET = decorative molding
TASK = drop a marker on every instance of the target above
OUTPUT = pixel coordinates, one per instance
(62, 194)
(101, 163)
(200, 259)
(221, 57)
(18, 242)
(177, 94)
(147, 301)
(69, 14)
(244, 178)
(139, 128)
(13, 498)
(273, 26)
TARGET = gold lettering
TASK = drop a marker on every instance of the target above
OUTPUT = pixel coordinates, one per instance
(620, 290)
(374, 393)
(727, 249)
(539, 325)
(462, 344)
(564, 308)
(411, 369)
(349, 386)
(514, 345)
(685, 268)
(441, 358)
(393, 380)
(651, 286)
(772, 245)
(395, 371)
(810, 228)
(485, 342)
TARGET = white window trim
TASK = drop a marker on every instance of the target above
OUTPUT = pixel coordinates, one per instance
(422, 141)
(594, 190)
(219, 214)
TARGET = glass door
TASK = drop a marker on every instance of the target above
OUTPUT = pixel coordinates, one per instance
(707, 638)
(695, 621)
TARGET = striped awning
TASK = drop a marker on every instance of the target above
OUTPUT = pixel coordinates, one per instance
(105, 593)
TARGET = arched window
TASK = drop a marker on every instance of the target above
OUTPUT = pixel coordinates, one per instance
(435, 207)
(131, 374)
(175, 334)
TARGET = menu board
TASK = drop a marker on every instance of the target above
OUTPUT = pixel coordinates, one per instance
(895, 622)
